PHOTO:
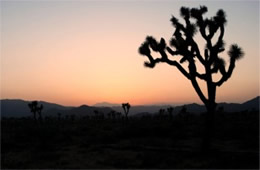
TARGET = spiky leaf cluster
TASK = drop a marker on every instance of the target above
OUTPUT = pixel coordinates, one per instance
(185, 12)
(144, 49)
(175, 21)
(184, 44)
(198, 12)
(235, 52)
(220, 17)
(219, 62)
(151, 42)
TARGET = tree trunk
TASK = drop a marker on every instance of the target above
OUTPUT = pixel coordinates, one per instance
(34, 116)
(210, 106)
(126, 116)
(209, 128)
(40, 117)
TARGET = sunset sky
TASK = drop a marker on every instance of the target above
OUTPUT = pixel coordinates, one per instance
(84, 52)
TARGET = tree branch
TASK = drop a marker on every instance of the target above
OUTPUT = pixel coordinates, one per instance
(222, 31)
(195, 45)
(226, 75)
(180, 68)
(152, 62)
(172, 52)
(201, 76)
(219, 46)
(198, 90)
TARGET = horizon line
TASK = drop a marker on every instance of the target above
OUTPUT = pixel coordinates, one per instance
(116, 104)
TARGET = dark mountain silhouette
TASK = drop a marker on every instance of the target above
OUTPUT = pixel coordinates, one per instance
(195, 108)
(252, 103)
(81, 110)
(141, 109)
(14, 108)
(106, 104)
(19, 108)
(84, 110)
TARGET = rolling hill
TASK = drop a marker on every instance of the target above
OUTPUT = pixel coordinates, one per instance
(19, 108)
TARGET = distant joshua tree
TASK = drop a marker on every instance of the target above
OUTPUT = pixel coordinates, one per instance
(40, 108)
(183, 110)
(126, 107)
(170, 110)
(33, 108)
(113, 114)
(101, 116)
(96, 112)
(118, 115)
(109, 115)
(220, 110)
(184, 45)
(161, 113)
(36, 109)
(59, 116)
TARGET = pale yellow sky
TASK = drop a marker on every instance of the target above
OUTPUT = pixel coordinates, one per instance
(75, 52)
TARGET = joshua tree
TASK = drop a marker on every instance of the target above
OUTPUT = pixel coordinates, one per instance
(113, 114)
(170, 110)
(101, 116)
(96, 112)
(109, 115)
(35, 108)
(40, 112)
(220, 110)
(161, 113)
(183, 44)
(118, 114)
(59, 116)
(183, 110)
(126, 107)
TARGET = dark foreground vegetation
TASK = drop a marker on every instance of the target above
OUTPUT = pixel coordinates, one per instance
(144, 142)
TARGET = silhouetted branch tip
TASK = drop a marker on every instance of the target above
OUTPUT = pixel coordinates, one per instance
(162, 44)
(203, 9)
(149, 64)
(191, 30)
(144, 49)
(185, 12)
(220, 62)
(220, 17)
(175, 21)
(235, 52)
(197, 13)
(152, 43)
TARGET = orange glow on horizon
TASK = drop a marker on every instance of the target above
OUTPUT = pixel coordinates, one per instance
(75, 53)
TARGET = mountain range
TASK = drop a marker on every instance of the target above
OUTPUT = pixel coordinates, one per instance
(19, 108)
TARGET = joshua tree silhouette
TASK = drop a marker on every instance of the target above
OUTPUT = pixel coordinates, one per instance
(59, 116)
(170, 110)
(118, 114)
(185, 46)
(113, 114)
(183, 110)
(126, 107)
(40, 108)
(161, 114)
(35, 108)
